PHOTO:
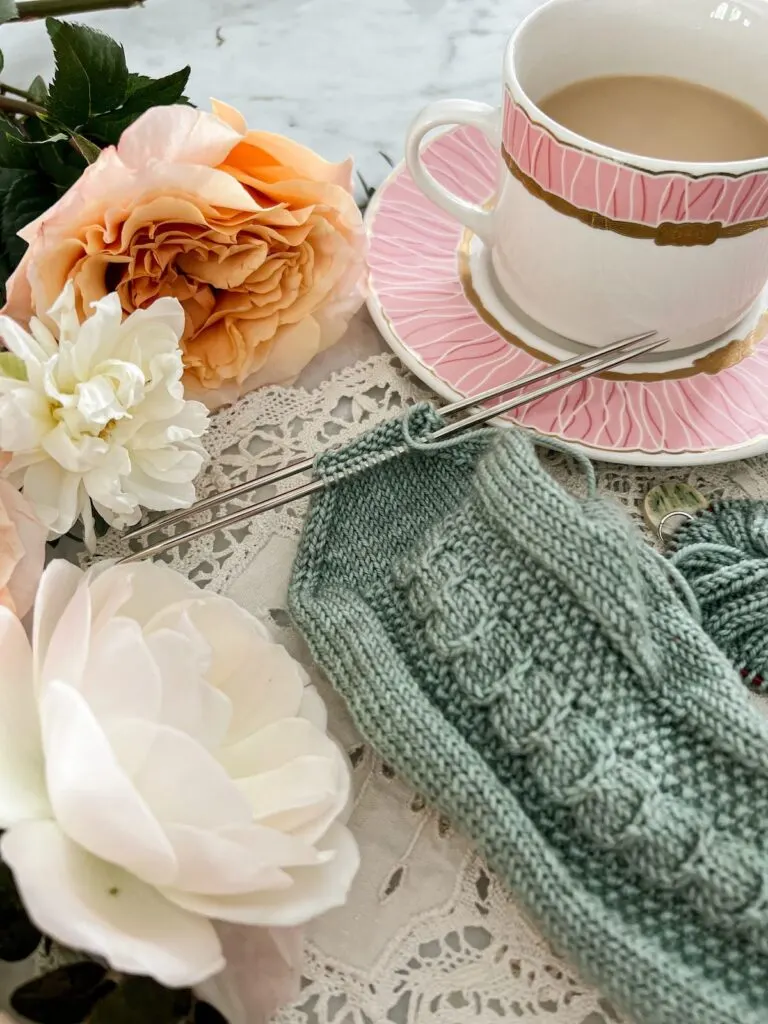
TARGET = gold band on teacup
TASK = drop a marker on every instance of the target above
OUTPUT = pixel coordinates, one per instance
(731, 353)
(668, 233)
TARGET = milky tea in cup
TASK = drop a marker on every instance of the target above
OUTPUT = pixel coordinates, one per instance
(633, 142)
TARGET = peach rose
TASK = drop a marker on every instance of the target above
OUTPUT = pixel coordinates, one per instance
(22, 551)
(258, 237)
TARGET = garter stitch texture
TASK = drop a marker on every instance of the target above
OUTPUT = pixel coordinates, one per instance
(723, 553)
(528, 664)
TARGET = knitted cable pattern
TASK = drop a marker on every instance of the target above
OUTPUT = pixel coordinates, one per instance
(723, 553)
(525, 660)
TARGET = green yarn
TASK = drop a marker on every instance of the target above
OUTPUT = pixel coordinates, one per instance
(723, 553)
(525, 660)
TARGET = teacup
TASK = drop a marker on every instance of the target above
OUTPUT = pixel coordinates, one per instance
(595, 243)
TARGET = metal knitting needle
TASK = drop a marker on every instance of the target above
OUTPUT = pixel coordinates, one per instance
(303, 466)
(304, 491)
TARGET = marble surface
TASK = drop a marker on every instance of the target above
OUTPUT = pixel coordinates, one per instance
(343, 76)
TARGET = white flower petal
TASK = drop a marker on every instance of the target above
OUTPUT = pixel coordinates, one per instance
(23, 344)
(189, 703)
(294, 794)
(166, 313)
(25, 419)
(57, 588)
(64, 313)
(154, 589)
(315, 890)
(275, 746)
(68, 644)
(161, 496)
(54, 494)
(121, 678)
(87, 904)
(22, 775)
(221, 864)
(94, 801)
(313, 708)
(179, 779)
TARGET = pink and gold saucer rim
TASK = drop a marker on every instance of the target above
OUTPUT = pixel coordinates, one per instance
(730, 354)
(418, 302)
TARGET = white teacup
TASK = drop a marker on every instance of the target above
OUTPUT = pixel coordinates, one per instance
(595, 243)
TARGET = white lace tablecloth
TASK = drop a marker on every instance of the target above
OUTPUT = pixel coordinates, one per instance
(429, 936)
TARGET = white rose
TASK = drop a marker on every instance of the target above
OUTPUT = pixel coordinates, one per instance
(163, 765)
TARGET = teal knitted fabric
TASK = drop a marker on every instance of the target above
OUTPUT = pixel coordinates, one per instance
(723, 553)
(529, 664)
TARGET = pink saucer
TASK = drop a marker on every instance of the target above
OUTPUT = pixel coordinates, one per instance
(425, 303)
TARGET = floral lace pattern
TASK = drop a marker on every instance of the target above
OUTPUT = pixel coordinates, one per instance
(429, 936)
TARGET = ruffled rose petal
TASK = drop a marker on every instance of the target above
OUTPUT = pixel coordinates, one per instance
(315, 890)
(90, 905)
(179, 134)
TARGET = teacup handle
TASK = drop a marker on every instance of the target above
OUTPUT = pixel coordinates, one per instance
(446, 112)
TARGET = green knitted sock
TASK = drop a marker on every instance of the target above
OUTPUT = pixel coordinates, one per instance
(523, 658)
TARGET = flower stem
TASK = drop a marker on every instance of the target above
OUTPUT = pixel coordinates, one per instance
(56, 8)
(14, 91)
(11, 106)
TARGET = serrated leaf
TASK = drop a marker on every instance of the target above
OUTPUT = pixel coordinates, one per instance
(140, 1000)
(91, 74)
(61, 164)
(8, 11)
(64, 996)
(143, 93)
(18, 936)
(38, 91)
(26, 199)
(14, 367)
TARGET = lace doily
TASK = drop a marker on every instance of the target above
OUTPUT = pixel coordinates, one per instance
(428, 936)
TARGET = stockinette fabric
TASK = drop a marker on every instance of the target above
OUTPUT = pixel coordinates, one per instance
(723, 553)
(534, 669)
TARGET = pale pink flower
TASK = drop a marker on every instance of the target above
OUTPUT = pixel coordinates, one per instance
(22, 551)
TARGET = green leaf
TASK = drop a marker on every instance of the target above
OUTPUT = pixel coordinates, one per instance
(88, 150)
(38, 91)
(141, 1000)
(8, 11)
(26, 199)
(55, 156)
(18, 936)
(14, 367)
(91, 74)
(15, 154)
(143, 93)
(64, 996)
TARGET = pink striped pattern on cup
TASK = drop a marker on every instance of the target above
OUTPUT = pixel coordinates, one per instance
(619, 194)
